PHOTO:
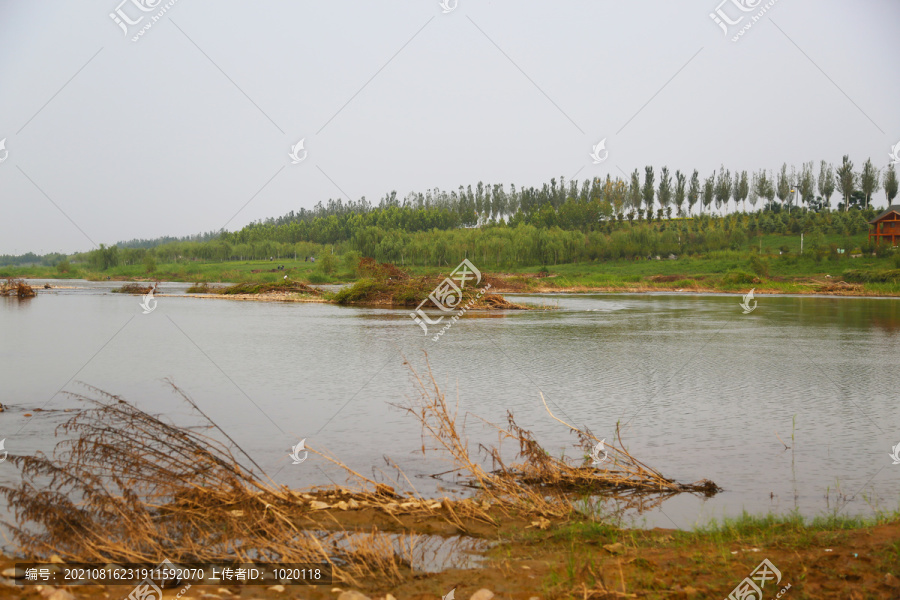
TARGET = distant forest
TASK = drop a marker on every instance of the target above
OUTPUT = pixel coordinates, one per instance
(646, 213)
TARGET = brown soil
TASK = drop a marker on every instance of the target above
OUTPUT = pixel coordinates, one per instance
(529, 562)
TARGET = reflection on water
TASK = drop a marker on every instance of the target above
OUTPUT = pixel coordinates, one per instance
(701, 391)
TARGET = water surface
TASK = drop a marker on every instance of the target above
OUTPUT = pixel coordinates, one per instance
(700, 390)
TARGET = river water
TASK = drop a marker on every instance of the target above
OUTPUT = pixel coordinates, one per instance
(701, 390)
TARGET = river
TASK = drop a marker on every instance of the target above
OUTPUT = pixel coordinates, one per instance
(700, 389)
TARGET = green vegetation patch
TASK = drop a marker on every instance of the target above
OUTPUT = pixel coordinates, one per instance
(287, 287)
(865, 276)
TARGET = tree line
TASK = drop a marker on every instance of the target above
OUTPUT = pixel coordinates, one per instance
(501, 245)
(779, 201)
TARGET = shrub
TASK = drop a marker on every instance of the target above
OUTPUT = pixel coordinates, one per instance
(739, 277)
(759, 266)
(350, 260)
(864, 276)
(883, 250)
(318, 278)
(63, 266)
(149, 263)
(361, 290)
(327, 262)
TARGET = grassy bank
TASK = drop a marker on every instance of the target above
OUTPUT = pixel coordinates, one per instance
(773, 263)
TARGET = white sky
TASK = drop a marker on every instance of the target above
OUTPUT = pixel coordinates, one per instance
(173, 134)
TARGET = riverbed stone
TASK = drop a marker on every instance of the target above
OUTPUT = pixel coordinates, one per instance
(316, 505)
(352, 595)
(617, 548)
(61, 595)
(277, 588)
(482, 594)
(13, 573)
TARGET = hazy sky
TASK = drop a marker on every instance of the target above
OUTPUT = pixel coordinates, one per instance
(190, 128)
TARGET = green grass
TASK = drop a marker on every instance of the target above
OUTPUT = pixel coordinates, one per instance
(725, 270)
(790, 530)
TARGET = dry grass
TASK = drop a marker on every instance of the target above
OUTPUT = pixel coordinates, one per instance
(538, 483)
(16, 287)
(136, 288)
(127, 486)
(203, 287)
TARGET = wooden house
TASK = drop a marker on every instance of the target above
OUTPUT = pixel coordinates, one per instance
(886, 226)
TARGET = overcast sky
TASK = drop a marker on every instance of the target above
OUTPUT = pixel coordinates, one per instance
(190, 128)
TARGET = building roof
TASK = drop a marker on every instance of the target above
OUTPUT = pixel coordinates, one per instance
(895, 209)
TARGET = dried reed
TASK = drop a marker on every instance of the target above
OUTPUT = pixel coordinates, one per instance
(16, 287)
(539, 483)
(130, 487)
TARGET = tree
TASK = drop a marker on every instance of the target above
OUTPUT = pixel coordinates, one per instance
(723, 187)
(648, 191)
(694, 190)
(766, 187)
(783, 184)
(634, 191)
(665, 188)
(149, 263)
(680, 181)
(826, 182)
(753, 189)
(807, 183)
(847, 180)
(869, 180)
(709, 191)
(742, 189)
(890, 184)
